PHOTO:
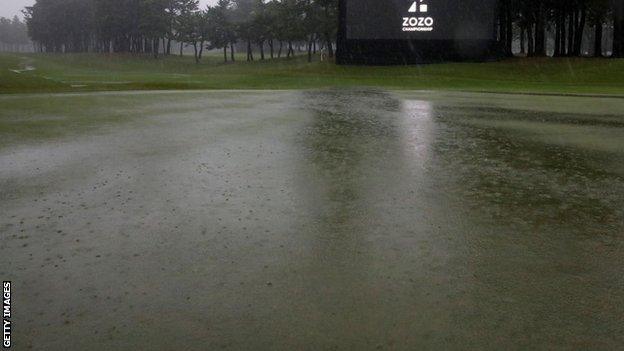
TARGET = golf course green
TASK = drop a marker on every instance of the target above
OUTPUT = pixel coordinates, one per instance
(328, 219)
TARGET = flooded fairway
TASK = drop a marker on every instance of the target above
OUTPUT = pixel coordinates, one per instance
(318, 220)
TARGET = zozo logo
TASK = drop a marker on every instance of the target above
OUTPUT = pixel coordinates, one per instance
(418, 23)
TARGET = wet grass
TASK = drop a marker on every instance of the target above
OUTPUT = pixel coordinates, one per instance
(90, 72)
(438, 220)
(25, 118)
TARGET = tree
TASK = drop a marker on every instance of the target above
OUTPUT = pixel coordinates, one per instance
(291, 19)
(195, 30)
(506, 26)
(175, 9)
(311, 24)
(328, 23)
(153, 22)
(182, 22)
(597, 16)
(259, 25)
(218, 27)
(618, 27)
(242, 17)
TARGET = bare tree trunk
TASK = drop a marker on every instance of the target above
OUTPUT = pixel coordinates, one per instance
(291, 52)
(580, 30)
(196, 54)
(530, 41)
(556, 52)
(522, 41)
(261, 44)
(618, 28)
(558, 26)
(618, 47)
(509, 29)
(564, 36)
(232, 52)
(279, 53)
(249, 51)
(271, 47)
(598, 39)
(506, 27)
(571, 30)
(310, 49)
(330, 48)
(540, 32)
(156, 47)
(225, 53)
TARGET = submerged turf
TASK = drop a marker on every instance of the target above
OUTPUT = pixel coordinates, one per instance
(327, 219)
(91, 72)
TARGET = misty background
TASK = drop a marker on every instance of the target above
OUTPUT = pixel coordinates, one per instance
(10, 8)
(559, 28)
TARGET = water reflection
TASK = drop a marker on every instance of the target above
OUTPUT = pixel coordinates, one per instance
(351, 137)
(539, 218)
(417, 132)
(426, 211)
(352, 150)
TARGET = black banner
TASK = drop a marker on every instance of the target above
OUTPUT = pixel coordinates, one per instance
(420, 19)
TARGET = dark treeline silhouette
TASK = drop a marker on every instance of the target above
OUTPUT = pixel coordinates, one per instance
(151, 26)
(566, 24)
(275, 28)
(14, 35)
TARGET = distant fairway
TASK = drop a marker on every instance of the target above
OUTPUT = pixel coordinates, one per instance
(90, 72)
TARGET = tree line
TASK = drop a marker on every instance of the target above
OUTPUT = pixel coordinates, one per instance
(13, 35)
(151, 26)
(275, 27)
(565, 24)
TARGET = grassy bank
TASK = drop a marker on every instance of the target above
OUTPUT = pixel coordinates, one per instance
(90, 72)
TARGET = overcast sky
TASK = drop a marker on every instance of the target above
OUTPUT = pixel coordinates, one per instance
(10, 8)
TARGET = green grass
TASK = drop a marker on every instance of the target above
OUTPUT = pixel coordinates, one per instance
(91, 72)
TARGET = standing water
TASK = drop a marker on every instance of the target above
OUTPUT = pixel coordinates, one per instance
(340, 219)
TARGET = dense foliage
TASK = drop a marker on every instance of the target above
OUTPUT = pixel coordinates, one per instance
(150, 26)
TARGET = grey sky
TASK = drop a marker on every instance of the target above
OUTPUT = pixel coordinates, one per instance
(10, 8)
